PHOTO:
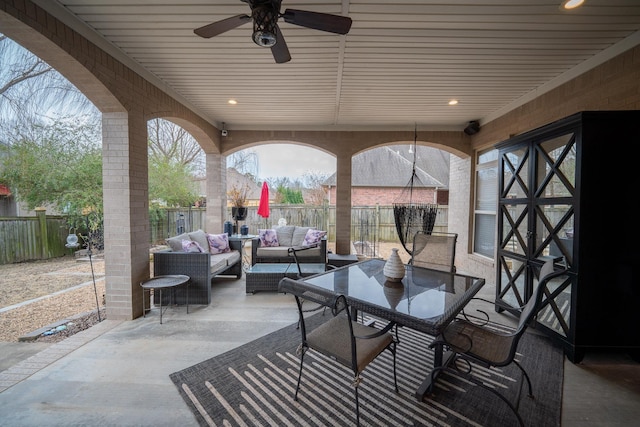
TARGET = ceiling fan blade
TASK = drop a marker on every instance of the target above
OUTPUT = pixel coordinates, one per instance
(220, 27)
(280, 50)
(318, 21)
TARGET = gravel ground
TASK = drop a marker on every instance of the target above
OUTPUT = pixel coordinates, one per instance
(47, 280)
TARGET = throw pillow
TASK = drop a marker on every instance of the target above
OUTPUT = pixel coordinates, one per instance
(313, 236)
(191, 246)
(200, 237)
(175, 243)
(218, 243)
(268, 238)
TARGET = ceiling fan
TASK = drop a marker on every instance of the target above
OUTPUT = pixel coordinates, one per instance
(266, 33)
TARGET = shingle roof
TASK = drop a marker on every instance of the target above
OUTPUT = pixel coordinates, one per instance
(4, 190)
(392, 166)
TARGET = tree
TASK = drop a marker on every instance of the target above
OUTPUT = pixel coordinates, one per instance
(61, 166)
(174, 160)
(245, 162)
(168, 141)
(30, 90)
(290, 196)
(171, 183)
(316, 193)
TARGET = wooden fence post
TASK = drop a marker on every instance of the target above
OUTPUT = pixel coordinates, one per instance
(41, 214)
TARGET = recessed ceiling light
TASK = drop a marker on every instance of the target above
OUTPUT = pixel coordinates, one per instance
(232, 101)
(571, 4)
(453, 102)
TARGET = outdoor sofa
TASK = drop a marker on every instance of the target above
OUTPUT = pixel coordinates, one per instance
(200, 256)
(272, 245)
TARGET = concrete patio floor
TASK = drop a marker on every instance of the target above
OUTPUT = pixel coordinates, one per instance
(117, 373)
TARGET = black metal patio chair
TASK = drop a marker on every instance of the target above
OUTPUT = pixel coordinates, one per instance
(436, 251)
(474, 343)
(340, 338)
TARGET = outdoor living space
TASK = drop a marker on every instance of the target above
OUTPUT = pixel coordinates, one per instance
(118, 372)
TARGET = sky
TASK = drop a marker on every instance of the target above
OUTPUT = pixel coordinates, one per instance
(292, 161)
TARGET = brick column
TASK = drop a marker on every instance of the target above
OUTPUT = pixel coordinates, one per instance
(343, 204)
(216, 192)
(126, 212)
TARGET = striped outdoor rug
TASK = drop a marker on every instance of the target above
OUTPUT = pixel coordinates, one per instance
(254, 385)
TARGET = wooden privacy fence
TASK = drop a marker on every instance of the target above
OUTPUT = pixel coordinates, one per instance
(42, 237)
(32, 238)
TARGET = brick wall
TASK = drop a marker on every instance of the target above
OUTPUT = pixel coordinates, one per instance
(371, 196)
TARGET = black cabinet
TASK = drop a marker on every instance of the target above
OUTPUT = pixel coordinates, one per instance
(567, 190)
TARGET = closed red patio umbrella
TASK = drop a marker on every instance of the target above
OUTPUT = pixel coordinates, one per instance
(263, 207)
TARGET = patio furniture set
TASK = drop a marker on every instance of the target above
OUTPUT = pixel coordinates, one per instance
(429, 298)
(285, 251)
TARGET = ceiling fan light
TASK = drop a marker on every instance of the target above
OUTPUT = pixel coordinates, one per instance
(265, 25)
(264, 38)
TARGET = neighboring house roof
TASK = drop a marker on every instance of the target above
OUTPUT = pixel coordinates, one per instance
(4, 190)
(239, 180)
(391, 166)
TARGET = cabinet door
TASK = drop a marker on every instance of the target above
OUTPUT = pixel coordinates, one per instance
(553, 217)
(536, 221)
(512, 287)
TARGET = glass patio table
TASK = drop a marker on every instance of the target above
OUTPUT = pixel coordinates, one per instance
(426, 300)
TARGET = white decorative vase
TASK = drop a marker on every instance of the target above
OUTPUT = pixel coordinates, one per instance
(394, 268)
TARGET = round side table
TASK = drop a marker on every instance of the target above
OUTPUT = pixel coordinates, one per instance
(170, 282)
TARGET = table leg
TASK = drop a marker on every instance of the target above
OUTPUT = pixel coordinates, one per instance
(161, 306)
(440, 359)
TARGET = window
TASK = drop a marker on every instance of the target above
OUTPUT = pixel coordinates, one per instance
(486, 202)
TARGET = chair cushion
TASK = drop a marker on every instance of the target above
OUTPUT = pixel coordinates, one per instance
(218, 243)
(268, 238)
(175, 243)
(333, 337)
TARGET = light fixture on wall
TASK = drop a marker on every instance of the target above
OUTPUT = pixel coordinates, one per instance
(224, 132)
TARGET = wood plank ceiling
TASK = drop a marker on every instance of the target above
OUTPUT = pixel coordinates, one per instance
(398, 67)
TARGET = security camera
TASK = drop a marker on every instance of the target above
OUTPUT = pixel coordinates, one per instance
(224, 132)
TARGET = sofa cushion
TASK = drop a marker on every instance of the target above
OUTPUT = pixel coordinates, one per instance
(298, 236)
(283, 252)
(175, 243)
(223, 260)
(285, 234)
(200, 237)
(278, 251)
(313, 237)
(218, 243)
(268, 238)
(191, 246)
